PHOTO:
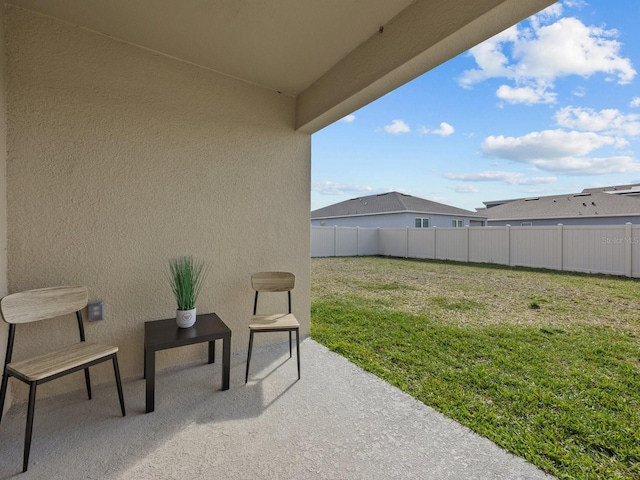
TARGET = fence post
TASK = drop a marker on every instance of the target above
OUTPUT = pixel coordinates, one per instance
(560, 247)
(628, 248)
(407, 244)
(435, 249)
(508, 233)
(468, 241)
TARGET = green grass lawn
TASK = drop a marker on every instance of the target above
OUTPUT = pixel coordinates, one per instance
(545, 364)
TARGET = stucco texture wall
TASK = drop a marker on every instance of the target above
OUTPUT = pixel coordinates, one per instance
(4, 328)
(119, 159)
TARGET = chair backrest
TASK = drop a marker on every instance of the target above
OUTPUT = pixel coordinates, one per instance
(273, 281)
(44, 303)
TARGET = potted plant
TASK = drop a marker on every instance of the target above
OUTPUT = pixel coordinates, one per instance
(186, 278)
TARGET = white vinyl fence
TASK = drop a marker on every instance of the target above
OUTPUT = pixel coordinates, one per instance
(611, 249)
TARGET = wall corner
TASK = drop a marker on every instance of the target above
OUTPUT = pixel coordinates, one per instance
(4, 330)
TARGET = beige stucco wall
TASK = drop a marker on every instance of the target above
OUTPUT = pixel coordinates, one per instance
(120, 158)
(4, 329)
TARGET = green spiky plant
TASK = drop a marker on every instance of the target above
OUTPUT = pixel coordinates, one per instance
(186, 279)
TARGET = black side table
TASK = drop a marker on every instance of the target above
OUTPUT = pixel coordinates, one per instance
(164, 334)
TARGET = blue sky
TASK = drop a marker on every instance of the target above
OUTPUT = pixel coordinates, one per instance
(550, 106)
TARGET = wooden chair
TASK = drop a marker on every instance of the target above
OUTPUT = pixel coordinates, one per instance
(42, 304)
(280, 322)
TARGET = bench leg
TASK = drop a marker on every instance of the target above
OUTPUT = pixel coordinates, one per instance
(246, 377)
(3, 391)
(29, 430)
(298, 350)
(116, 371)
(87, 380)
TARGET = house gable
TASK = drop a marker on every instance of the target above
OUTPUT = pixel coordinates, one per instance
(391, 209)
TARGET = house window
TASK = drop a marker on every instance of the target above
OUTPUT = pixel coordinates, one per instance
(525, 224)
(457, 223)
(422, 223)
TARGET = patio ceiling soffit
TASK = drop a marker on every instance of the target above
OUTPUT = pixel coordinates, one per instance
(333, 57)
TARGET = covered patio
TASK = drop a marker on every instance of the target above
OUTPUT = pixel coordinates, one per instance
(337, 422)
(132, 132)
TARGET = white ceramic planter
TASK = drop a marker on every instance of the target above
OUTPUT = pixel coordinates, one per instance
(185, 318)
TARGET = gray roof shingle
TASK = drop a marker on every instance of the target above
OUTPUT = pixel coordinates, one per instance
(565, 206)
(388, 203)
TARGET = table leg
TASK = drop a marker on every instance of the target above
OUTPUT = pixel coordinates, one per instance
(212, 351)
(226, 361)
(150, 378)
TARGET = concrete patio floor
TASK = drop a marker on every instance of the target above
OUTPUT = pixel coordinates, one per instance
(337, 422)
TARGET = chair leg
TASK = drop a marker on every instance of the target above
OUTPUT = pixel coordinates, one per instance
(3, 392)
(29, 430)
(298, 350)
(246, 376)
(87, 380)
(116, 372)
(290, 344)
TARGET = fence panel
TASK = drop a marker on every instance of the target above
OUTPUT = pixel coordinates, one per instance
(393, 242)
(489, 245)
(534, 247)
(612, 249)
(347, 242)
(452, 244)
(421, 243)
(635, 251)
(595, 249)
(323, 242)
(368, 241)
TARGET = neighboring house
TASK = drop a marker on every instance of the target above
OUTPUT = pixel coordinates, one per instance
(631, 190)
(584, 208)
(393, 210)
(132, 132)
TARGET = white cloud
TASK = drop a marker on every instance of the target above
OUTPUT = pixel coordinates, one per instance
(526, 95)
(568, 47)
(635, 102)
(348, 119)
(511, 178)
(464, 188)
(545, 16)
(489, 57)
(397, 127)
(561, 152)
(575, 3)
(444, 131)
(545, 144)
(332, 188)
(589, 166)
(533, 58)
(609, 121)
(580, 92)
